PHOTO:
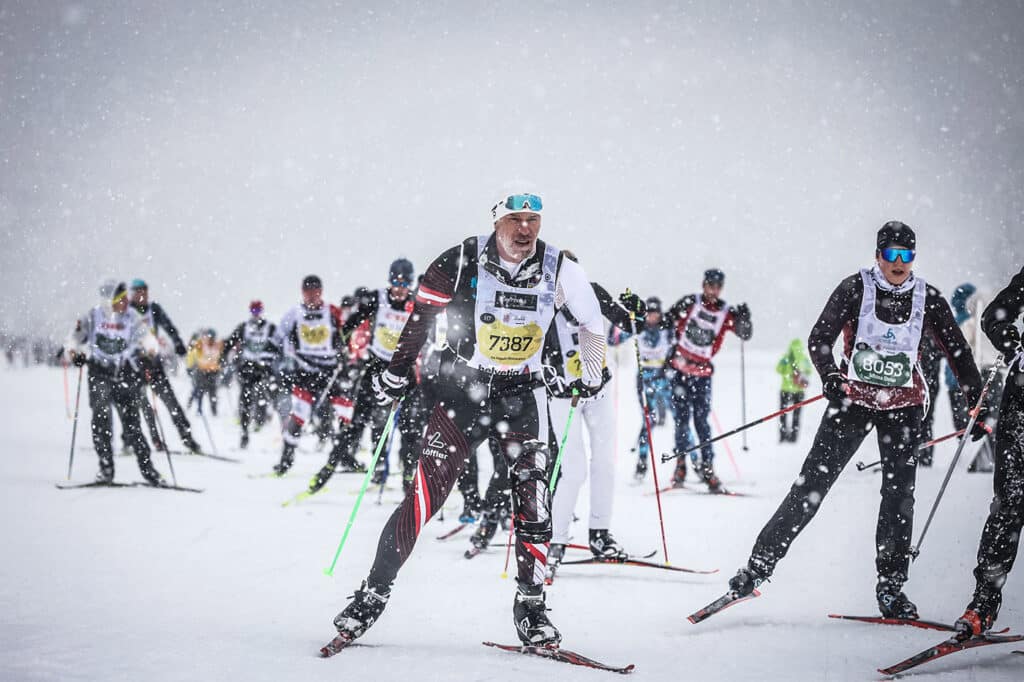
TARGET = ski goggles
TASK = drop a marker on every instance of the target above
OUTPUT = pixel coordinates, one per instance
(890, 255)
(517, 203)
(399, 282)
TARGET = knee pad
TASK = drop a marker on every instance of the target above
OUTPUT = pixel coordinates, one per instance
(530, 495)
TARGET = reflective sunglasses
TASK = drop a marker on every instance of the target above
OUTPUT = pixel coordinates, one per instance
(891, 254)
(524, 202)
(400, 283)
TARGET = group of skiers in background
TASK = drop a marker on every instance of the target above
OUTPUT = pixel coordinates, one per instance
(520, 349)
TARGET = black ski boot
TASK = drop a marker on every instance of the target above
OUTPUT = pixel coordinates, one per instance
(641, 468)
(363, 611)
(892, 603)
(556, 552)
(707, 474)
(320, 479)
(191, 445)
(746, 580)
(153, 477)
(531, 619)
(244, 443)
(106, 473)
(287, 459)
(604, 546)
(485, 531)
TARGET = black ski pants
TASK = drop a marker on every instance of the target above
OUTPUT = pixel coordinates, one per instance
(466, 414)
(789, 423)
(122, 391)
(162, 387)
(1001, 536)
(253, 382)
(840, 434)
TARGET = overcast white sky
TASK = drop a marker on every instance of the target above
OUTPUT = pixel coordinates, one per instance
(222, 151)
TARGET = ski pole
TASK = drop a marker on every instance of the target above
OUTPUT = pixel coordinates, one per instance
(743, 391)
(940, 439)
(366, 483)
(773, 415)
(916, 550)
(647, 427)
(209, 433)
(728, 450)
(160, 431)
(74, 427)
(67, 399)
(565, 438)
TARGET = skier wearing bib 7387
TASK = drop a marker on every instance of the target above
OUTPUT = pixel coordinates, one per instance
(500, 292)
(882, 313)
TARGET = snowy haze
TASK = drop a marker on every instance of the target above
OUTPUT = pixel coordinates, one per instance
(222, 151)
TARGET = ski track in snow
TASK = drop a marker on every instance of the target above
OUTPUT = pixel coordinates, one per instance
(130, 584)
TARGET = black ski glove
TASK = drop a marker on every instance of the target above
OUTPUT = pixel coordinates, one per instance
(834, 387)
(387, 388)
(179, 349)
(742, 311)
(78, 359)
(980, 428)
(585, 390)
(633, 303)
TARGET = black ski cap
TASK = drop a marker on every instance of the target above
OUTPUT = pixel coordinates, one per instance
(401, 269)
(654, 304)
(895, 233)
(714, 276)
(312, 282)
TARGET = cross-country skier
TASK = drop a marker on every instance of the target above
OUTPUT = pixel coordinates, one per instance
(500, 292)
(253, 341)
(111, 339)
(700, 322)
(795, 368)
(386, 310)
(1002, 322)
(655, 341)
(205, 359)
(156, 319)
(882, 313)
(563, 366)
(310, 335)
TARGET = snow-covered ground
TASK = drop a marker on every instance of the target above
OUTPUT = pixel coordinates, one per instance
(135, 584)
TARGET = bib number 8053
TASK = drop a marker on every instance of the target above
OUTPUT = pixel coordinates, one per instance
(881, 367)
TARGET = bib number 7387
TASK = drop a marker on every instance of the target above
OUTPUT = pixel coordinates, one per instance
(504, 344)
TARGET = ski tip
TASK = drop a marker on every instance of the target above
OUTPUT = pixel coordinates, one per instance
(692, 619)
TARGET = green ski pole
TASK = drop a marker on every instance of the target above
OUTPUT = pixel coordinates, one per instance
(366, 483)
(565, 437)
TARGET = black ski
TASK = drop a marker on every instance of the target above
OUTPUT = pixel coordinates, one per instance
(222, 458)
(725, 601)
(94, 484)
(136, 484)
(950, 646)
(879, 620)
(562, 655)
(631, 561)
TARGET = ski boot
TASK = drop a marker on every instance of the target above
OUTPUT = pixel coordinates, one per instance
(485, 531)
(363, 611)
(530, 617)
(287, 459)
(679, 475)
(556, 552)
(244, 442)
(153, 477)
(191, 445)
(746, 580)
(981, 613)
(641, 469)
(350, 465)
(707, 474)
(105, 475)
(320, 479)
(892, 603)
(604, 546)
